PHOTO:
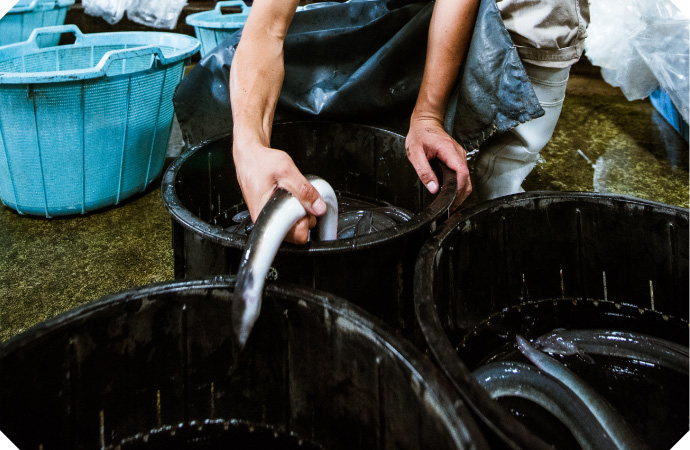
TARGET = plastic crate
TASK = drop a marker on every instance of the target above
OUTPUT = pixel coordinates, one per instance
(27, 15)
(86, 125)
(662, 103)
(212, 27)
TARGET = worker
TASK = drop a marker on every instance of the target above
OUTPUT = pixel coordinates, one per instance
(471, 85)
(256, 78)
(549, 36)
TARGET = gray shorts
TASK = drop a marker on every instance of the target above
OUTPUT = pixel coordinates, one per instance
(547, 33)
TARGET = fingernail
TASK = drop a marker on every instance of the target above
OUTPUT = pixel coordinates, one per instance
(319, 207)
(432, 186)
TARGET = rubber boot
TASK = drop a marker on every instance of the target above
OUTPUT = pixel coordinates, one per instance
(504, 161)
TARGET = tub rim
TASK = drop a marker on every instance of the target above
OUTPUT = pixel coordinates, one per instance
(423, 374)
(440, 205)
(488, 411)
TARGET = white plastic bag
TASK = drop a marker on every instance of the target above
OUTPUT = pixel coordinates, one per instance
(663, 45)
(156, 13)
(640, 45)
(111, 11)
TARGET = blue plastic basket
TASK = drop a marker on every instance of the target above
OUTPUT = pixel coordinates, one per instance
(27, 15)
(212, 27)
(662, 103)
(86, 125)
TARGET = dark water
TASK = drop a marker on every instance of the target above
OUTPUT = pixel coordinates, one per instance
(218, 435)
(357, 216)
(654, 400)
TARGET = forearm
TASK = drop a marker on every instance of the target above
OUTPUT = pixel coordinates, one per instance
(256, 78)
(257, 71)
(450, 32)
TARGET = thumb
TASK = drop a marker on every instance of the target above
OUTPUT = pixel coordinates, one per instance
(305, 192)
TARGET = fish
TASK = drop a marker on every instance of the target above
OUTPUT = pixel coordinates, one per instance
(517, 379)
(362, 222)
(242, 223)
(359, 218)
(276, 218)
(356, 218)
(365, 224)
(621, 344)
(351, 222)
(623, 436)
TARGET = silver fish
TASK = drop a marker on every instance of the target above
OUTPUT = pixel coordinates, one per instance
(515, 379)
(620, 432)
(363, 222)
(355, 218)
(621, 344)
(279, 214)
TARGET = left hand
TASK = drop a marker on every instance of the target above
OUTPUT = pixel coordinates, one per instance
(427, 140)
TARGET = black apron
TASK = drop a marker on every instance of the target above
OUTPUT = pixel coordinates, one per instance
(362, 62)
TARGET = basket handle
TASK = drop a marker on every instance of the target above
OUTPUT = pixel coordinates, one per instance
(134, 52)
(227, 3)
(25, 8)
(59, 29)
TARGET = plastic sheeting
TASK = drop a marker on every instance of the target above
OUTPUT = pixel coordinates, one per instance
(641, 45)
(363, 62)
(112, 11)
(156, 14)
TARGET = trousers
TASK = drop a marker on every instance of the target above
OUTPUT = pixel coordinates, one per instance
(505, 160)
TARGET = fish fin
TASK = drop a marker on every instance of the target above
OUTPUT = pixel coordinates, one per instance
(585, 357)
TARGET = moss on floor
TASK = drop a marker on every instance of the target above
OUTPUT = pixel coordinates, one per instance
(624, 148)
(49, 266)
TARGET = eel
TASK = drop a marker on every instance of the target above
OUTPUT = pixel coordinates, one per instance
(516, 379)
(621, 344)
(276, 218)
(623, 436)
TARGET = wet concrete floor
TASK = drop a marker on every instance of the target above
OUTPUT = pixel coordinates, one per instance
(49, 266)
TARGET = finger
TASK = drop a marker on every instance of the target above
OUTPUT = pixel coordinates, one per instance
(312, 221)
(464, 191)
(421, 165)
(302, 189)
(299, 233)
(455, 158)
(462, 175)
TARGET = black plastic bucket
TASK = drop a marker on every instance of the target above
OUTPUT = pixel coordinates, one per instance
(374, 271)
(155, 367)
(530, 263)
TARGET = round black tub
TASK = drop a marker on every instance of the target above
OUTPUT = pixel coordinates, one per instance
(375, 271)
(530, 263)
(155, 367)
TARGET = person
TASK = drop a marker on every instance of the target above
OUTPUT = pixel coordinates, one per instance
(549, 36)
(256, 76)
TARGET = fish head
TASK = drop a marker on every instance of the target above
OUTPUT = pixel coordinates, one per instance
(555, 344)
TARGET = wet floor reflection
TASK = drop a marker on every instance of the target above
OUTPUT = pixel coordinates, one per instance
(604, 143)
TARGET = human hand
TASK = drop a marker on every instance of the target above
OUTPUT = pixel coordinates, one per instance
(261, 170)
(427, 140)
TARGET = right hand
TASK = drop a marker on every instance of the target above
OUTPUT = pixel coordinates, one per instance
(427, 140)
(261, 170)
